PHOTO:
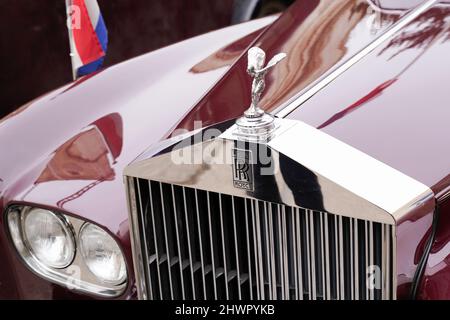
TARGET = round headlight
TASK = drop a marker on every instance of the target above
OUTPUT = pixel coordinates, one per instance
(102, 255)
(49, 238)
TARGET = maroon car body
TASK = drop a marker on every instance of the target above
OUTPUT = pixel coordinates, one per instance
(390, 104)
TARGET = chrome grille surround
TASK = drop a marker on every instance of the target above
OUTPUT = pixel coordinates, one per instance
(304, 238)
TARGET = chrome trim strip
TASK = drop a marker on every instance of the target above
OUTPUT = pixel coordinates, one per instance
(285, 253)
(144, 234)
(156, 238)
(169, 264)
(201, 244)
(341, 260)
(213, 265)
(188, 236)
(383, 262)
(295, 251)
(313, 255)
(280, 255)
(352, 250)
(326, 79)
(238, 276)
(225, 269)
(322, 252)
(135, 240)
(386, 262)
(256, 251)
(272, 253)
(336, 258)
(327, 261)
(248, 250)
(180, 257)
(308, 254)
(260, 255)
(356, 266)
(269, 259)
(371, 262)
(299, 253)
(394, 263)
(366, 242)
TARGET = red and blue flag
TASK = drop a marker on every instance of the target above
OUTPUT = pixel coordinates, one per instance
(88, 36)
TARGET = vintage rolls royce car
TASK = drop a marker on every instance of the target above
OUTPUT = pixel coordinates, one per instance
(199, 172)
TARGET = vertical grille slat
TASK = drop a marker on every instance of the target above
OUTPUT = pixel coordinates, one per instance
(224, 252)
(155, 239)
(143, 214)
(247, 238)
(341, 259)
(213, 265)
(200, 243)
(260, 260)
(167, 254)
(236, 246)
(206, 245)
(189, 245)
(327, 260)
(309, 289)
(356, 260)
(337, 264)
(312, 256)
(272, 252)
(322, 255)
(285, 257)
(295, 255)
(268, 255)
(178, 243)
(280, 253)
(299, 271)
(370, 245)
(367, 257)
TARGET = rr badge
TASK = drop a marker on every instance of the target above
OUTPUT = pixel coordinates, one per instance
(242, 169)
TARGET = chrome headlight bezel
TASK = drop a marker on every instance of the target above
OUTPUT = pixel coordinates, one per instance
(76, 275)
(82, 232)
(65, 225)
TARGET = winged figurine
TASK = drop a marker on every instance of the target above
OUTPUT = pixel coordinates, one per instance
(256, 69)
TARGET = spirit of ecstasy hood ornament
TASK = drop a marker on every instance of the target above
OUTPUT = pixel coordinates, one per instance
(256, 124)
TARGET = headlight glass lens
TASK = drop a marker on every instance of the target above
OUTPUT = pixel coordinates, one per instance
(49, 238)
(102, 255)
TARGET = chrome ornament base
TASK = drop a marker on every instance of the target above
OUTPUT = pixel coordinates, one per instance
(255, 129)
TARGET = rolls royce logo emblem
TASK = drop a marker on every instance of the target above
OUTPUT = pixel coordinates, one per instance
(242, 169)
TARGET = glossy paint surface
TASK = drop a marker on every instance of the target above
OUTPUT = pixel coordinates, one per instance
(67, 150)
(436, 279)
(316, 35)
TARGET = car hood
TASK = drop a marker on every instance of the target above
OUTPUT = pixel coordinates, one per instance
(68, 148)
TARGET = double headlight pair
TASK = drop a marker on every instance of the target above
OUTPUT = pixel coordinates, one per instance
(68, 251)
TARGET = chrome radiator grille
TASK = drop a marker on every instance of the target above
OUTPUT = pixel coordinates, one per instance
(205, 245)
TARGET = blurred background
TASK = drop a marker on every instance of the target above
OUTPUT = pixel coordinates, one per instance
(34, 42)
